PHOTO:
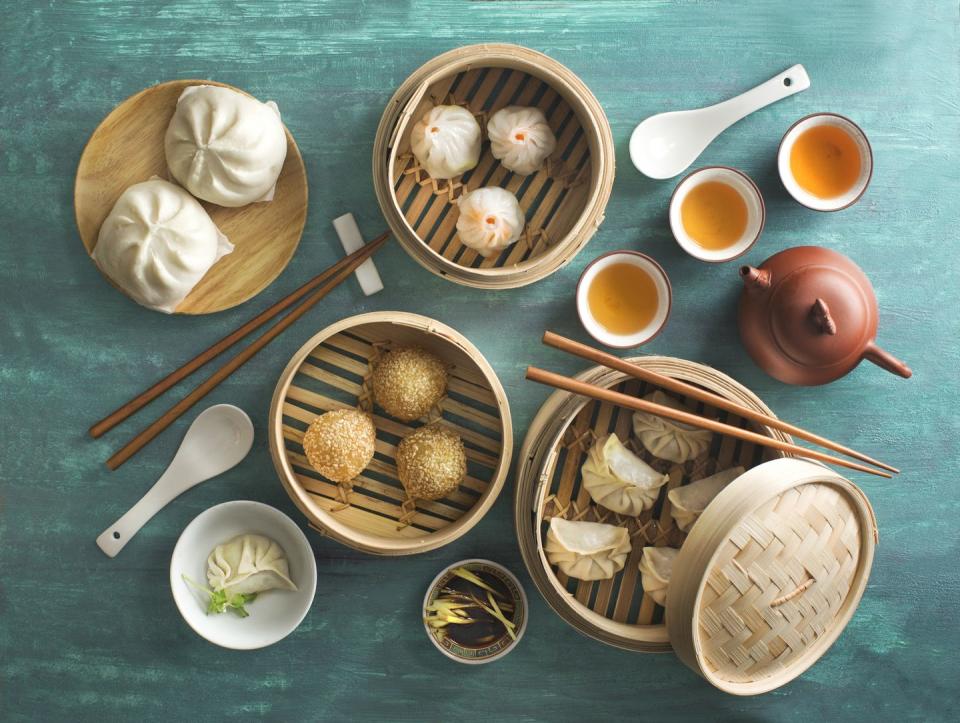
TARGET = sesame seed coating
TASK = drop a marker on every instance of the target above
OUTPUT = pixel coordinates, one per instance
(431, 462)
(407, 382)
(339, 444)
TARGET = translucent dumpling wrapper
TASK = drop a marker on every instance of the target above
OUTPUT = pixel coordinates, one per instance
(520, 138)
(249, 564)
(656, 566)
(157, 243)
(490, 220)
(587, 550)
(666, 439)
(446, 141)
(224, 146)
(687, 503)
(618, 479)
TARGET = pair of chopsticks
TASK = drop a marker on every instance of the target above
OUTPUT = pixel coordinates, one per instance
(624, 400)
(327, 281)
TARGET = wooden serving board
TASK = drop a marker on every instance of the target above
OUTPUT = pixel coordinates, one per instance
(127, 148)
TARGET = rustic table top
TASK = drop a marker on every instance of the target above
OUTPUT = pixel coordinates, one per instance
(83, 637)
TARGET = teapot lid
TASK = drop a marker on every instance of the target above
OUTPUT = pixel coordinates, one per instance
(770, 575)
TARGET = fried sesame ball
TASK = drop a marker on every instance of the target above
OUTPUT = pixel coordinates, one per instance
(431, 462)
(407, 382)
(339, 444)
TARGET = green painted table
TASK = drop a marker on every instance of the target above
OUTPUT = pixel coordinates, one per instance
(83, 637)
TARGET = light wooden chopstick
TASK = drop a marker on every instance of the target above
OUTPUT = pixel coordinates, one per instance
(613, 362)
(340, 271)
(625, 400)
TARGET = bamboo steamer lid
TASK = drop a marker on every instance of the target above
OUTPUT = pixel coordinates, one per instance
(770, 575)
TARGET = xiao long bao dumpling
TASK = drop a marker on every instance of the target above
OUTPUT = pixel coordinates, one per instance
(249, 564)
(446, 141)
(490, 220)
(656, 567)
(225, 147)
(520, 138)
(157, 243)
(687, 503)
(666, 439)
(587, 550)
(618, 479)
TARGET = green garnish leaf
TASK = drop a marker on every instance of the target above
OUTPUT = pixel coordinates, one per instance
(221, 600)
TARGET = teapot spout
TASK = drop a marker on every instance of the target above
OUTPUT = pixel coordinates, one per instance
(754, 278)
(886, 360)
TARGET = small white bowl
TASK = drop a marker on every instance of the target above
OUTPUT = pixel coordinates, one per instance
(664, 297)
(756, 212)
(275, 613)
(806, 198)
(488, 655)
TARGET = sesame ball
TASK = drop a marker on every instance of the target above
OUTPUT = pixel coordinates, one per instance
(339, 444)
(431, 462)
(407, 382)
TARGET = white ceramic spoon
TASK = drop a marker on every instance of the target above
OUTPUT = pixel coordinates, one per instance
(665, 144)
(219, 438)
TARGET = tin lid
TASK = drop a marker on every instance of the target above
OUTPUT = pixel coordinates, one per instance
(770, 575)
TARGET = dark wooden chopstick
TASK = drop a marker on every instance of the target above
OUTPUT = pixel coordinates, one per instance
(147, 396)
(624, 400)
(204, 388)
(613, 362)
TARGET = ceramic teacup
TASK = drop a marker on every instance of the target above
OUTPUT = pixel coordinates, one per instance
(804, 197)
(742, 184)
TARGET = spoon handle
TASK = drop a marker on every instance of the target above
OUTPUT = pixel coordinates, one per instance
(791, 81)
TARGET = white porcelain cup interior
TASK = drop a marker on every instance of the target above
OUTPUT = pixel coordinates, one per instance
(805, 197)
(275, 613)
(748, 192)
(601, 333)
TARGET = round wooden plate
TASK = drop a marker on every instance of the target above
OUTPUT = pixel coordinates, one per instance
(127, 148)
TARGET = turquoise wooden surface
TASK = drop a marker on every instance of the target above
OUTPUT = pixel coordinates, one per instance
(83, 637)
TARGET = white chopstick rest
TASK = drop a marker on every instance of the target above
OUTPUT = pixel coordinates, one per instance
(349, 233)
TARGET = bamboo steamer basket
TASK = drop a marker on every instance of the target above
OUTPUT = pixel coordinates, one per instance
(767, 577)
(564, 202)
(331, 371)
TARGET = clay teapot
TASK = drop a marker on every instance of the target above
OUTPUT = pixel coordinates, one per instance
(808, 316)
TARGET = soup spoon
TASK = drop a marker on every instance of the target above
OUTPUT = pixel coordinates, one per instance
(218, 440)
(665, 144)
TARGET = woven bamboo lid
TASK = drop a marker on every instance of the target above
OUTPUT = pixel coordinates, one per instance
(770, 575)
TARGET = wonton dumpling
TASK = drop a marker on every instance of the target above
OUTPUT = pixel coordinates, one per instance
(666, 439)
(520, 138)
(618, 479)
(446, 141)
(157, 243)
(656, 566)
(490, 220)
(248, 564)
(688, 502)
(587, 550)
(225, 147)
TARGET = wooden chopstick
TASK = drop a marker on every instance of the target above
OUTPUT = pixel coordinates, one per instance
(142, 439)
(609, 360)
(145, 397)
(624, 400)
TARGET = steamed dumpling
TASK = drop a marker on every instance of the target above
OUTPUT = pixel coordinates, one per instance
(666, 439)
(689, 501)
(490, 220)
(520, 138)
(587, 550)
(248, 564)
(618, 479)
(446, 141)
(224, 146)
(157, 243)
(656, 567)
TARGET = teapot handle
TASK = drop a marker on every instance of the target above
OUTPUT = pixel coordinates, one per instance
(886, 360)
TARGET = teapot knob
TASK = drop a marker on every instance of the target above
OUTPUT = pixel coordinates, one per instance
(754, 278)
(820, 313)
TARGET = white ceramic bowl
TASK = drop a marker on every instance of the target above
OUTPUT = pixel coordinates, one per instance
(756, 212)
(806, 198)
(664, 296)
(478, 657)
(275, 613)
